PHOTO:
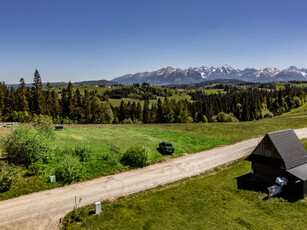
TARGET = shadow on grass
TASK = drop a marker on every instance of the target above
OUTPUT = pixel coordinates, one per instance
(249, 182)
(162, 152)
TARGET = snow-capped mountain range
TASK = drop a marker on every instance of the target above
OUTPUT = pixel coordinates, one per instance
(170, 76)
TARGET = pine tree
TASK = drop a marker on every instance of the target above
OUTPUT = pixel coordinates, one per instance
(139, 112)
(146, 112)
(86, 108)
(38, 100)
(22, 102)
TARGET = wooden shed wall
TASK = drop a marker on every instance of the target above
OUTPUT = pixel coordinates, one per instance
(267, 149)
(265, 172)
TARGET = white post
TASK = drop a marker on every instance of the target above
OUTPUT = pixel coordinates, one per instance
(97, 207)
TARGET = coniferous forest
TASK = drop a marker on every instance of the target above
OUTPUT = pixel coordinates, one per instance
(22, 104)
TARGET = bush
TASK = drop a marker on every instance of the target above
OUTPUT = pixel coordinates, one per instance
(36, 144)
(8, 175)
(224, 117)
(268, 115)
(14, 152)
(68, 169)
(135, 156)
(43, 122)
(27, 145)
(297, 102)
(83, 153)
(127, 121)
(213, 119)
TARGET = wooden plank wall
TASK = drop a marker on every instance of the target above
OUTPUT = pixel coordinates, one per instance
(265, 172)
(267, 149)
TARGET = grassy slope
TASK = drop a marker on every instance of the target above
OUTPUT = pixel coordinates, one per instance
(238, 131)
(209, 201)
(101, 139)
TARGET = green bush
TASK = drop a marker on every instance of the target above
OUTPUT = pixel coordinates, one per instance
(83, 153)
(224, 117)
(268, 115)
(36, 144)
(127, 121)
(68, 169)
(27, 145)
(43, 122)
(8, 175)
(135, 156)
(14, 152)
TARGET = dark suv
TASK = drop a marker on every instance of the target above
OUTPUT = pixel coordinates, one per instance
(166, 147)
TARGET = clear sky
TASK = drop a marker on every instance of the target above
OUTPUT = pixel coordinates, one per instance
(102, 39)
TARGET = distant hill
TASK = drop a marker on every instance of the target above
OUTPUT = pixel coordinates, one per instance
(172, 76)
(209, 83)
(94, 82)
(97, 82)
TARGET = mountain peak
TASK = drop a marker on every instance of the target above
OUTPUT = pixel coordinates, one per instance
(293, 68)
(170, 75)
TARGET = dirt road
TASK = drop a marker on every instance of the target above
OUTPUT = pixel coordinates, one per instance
(43, 210)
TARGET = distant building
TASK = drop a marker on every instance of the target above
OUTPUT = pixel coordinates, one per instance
(281, 154)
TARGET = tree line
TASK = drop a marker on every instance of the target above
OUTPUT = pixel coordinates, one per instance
(70, 106)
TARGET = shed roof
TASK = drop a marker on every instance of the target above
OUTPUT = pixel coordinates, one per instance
(299, 171)
(289, 147)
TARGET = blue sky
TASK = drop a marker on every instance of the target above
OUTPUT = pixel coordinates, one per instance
(99, 39)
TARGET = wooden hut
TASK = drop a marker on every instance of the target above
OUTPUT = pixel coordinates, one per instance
(281, 154)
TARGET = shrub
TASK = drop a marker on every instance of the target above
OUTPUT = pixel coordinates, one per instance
(213, 119)
(268, 115)
(127, 121)
(135, 156)
(14, 152)
(36, 144)
(68, 169)
(297, 102)
(43, 122)
(83, 153)
(27, 145)
(224, 117)
(136, 121)
(190, 119)
(8, 175)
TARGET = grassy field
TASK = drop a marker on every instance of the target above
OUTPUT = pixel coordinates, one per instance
(209, 201)
(102, 140)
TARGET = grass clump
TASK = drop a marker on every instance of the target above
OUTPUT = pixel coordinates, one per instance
(135, 156)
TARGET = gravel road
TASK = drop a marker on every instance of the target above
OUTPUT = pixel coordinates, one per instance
(43, 210)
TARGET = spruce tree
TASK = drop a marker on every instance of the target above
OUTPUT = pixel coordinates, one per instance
(38, 101)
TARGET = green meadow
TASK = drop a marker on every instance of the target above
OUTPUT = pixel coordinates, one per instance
(209, 201)
(109, 142)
